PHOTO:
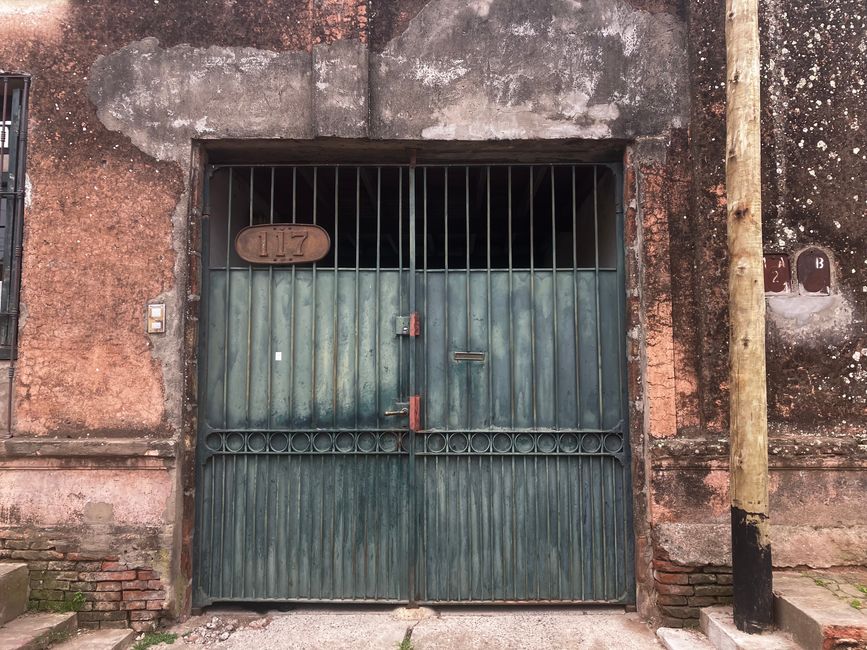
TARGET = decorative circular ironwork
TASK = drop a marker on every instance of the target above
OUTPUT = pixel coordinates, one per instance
(436, 442)
(344, 442)
(389, 442)
(524, 443)
(459, 442)
(366, 441)
(300, 442)
(279, 442)
(214, 442)
(613, 443)
(322, 442)
(235, 442)
(546, 443)
(480, 443)
(502, 443)
(569, 443)
(591, 443)
(256, 442)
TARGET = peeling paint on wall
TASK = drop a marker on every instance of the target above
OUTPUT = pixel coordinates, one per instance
(163, 98)
(509, 70)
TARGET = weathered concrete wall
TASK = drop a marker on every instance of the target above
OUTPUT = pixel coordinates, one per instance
(814, 75)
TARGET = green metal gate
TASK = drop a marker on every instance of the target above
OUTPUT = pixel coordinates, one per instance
(434, 412)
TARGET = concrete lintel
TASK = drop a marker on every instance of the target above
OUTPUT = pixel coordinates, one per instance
(340, 89)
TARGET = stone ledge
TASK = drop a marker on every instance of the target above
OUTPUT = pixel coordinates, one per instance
(88, 451)
(784, 452)
(791, 546)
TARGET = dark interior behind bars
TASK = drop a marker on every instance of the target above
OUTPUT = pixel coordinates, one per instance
(542, 216)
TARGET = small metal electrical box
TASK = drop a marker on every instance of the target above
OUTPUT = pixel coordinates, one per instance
(156, 318)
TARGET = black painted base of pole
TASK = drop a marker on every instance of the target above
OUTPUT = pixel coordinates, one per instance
(751, 574)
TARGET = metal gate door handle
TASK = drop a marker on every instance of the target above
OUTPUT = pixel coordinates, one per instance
(403, 411)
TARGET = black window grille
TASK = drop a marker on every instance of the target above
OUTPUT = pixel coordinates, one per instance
(13, 149)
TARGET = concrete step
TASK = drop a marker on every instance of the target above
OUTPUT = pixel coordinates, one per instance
(815, 616)
(673, 638)
(14, 590)
(719, 626)
(99, 640)
(37, 631)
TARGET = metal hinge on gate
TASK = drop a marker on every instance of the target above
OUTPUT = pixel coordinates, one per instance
(408, 325)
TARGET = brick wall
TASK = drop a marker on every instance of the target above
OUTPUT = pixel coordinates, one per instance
(682, 590)
(115, 594)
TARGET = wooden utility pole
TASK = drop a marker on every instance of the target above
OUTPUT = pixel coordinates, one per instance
(751, 546)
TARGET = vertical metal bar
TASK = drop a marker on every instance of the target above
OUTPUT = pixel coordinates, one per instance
(249, 324)
(270, 307)
(603, 507)
(532, 301)
(5, 134)
(228, 296)
(575, 303)
(314, 407)
(401, 312)
(511, 314)
(201, 557)
(580, 483)
(357, 305)
(335, 325)
(556, 362)
(413, 501)
(377, 325)
(596, 277)
(291, 413)
(16, 245)
(488, 306)
(446, 364)
(424, 387)
(468, 396)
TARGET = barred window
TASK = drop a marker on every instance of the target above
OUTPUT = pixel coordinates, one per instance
(13, 146)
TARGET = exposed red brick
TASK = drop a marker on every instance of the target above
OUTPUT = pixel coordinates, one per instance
(36, 555)
(99, 576)
(702, 601)
(675, 590)
(120, 625)
(134, 604)
(143, 616)
(667, 599)
(102, 616)
(103, 596)
(143, 626)
(671, 578)
(107, 586)
(679, 612)
(144, 595)
(713, 590)
(106, 607)
(671, 567)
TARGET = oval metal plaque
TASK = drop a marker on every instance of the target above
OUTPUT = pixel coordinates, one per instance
(282, 243)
